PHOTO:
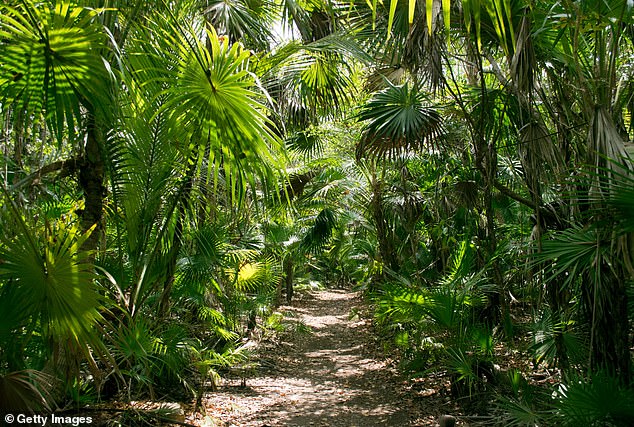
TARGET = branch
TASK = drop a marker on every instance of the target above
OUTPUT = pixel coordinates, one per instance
(67, 167)
(513, 195)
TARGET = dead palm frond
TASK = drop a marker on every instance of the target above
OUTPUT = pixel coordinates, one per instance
(539, 156)
(605, 143)
(26, 391)
(523, 64)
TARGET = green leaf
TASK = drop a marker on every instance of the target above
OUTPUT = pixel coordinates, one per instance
(52, 65)
(399, 119)
(49, 285)
(466, 11)
(212, 97)
(390, 19)
(446, 11)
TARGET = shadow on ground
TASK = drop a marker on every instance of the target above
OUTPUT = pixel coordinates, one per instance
(331, 377)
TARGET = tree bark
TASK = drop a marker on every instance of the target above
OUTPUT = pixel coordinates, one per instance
(386, 247)
(288, 278)
(605, 299)
(91, 180)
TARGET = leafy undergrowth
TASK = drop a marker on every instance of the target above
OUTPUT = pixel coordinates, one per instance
(324, 361)
(486, 375)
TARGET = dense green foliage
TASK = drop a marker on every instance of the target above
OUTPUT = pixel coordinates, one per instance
(170, 169)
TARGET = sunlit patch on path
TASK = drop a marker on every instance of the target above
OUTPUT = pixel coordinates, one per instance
(330, 377)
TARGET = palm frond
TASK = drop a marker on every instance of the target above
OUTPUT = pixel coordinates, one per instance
(145, 176)
(26, 391)
(51, 64)
(573, 250)
(403, 304)
(315, 81)
(210, 95)
(600, 400)
(545, 337)
(321, 231)
(399, 119)
(605, 143)
(538, 154)
(248, 21)
(51, 285)
(306, 143)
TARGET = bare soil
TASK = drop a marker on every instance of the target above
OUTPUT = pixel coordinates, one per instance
(335, 375)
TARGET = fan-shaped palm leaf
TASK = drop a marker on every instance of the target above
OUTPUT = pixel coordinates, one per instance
(25, 391)
(601, 400)
(321, 231)
(248, 21)
(209, 94)
(51, 63)
(50, 284)
(399, 119)
(313, 81)
(48, 295)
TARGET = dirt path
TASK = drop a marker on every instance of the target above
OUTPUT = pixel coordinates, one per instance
(330, 377)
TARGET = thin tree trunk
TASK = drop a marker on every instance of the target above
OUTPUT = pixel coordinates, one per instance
(386, 248)
(91, 180)
(289, 270)
(498, 301)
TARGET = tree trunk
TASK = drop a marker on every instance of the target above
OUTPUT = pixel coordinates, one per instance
(605, 299)
(288, 278)
(91, 180)
(386, 247)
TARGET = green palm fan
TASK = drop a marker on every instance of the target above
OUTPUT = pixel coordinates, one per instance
(49, 299)
(49, 285)
(249, 21)
(211, 95)
(51, 64)
(399, 119)
(600, 400)
(309, 81)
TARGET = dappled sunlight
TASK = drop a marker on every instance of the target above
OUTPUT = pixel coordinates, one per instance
(328, 377)
(190, 193)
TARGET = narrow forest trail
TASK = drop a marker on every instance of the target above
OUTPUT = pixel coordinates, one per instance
(333, 376)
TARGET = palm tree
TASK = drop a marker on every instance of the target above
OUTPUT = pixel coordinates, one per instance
(399, 120)
(61, 73)
(512, 53)
(582, 53)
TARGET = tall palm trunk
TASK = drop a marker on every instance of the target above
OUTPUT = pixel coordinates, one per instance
(605, 300)
(386, 246)
(177, 240)
(604, 292)
(91, 180)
